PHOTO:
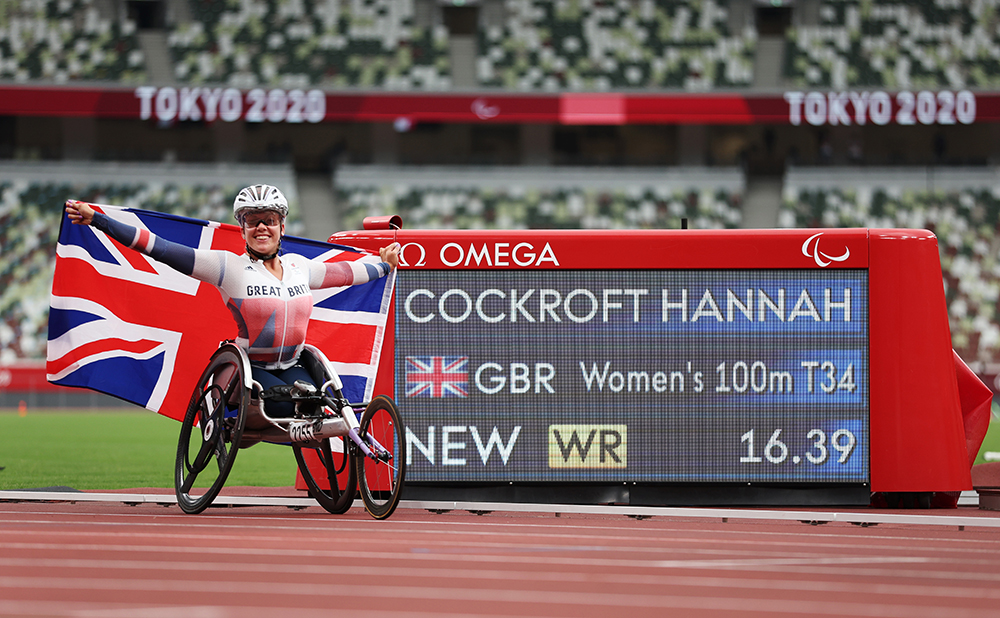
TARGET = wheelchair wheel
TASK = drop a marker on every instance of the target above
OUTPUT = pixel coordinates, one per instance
(381, 482)
(335, 488)
(211, 431)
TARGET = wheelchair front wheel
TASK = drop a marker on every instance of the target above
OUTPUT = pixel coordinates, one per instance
(335, 487)
(381, 482)
(211, 431)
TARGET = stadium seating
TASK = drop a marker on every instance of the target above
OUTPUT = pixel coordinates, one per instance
(897, 45)
(303, 43)
(586, 45)
(477, 198)
(62, 40)
(596, 45)
(31, 202)
(539, 46)
(961, 206)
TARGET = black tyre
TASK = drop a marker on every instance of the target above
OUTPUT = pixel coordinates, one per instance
(329, 474)
(211, 431)
(381, 482)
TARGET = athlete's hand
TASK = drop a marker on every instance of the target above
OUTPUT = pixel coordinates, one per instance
(390, 254)
(80, 213)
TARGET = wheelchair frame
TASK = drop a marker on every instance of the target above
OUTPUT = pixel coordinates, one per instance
(227, 412)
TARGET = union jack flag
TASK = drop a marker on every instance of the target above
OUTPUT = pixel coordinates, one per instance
(437, 376)
(123, 324)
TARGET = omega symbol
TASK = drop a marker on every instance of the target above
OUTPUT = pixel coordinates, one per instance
(421, 261)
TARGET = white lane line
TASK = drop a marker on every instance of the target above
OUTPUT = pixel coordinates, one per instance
(650, 548)
(490, 529)
(209, 611)
(512, 553)
(80, 609)
(362, 572)
(825, 515)
(375, 594)
(741, 561)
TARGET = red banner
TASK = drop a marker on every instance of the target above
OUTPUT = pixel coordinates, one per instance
(277, 105)
(26, 378)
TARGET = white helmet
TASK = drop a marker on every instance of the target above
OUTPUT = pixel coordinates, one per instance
(259, 197)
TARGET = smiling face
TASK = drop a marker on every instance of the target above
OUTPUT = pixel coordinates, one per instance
(263, 230)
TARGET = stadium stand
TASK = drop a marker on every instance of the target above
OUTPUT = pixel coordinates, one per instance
(535, 46)
(479, 198)
(587, 45)
(960, 205)
(896, 45)
(595, 45)
(31, 201)
(305, 43)
(63, 40)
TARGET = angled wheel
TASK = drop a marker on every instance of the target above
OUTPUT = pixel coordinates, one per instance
(211, 430)
(329, 474)
(381, 482)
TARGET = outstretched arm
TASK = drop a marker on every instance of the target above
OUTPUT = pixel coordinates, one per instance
(338, 274)
(179, 257)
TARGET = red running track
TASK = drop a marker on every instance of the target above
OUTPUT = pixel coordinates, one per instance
(151, 561)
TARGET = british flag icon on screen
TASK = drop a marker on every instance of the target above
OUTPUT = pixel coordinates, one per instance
(437, 376)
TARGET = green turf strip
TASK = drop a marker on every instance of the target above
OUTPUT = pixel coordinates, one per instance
(990, 451)
(124, 450)
(109, 450)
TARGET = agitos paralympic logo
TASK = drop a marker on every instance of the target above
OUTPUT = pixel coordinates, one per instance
(810, 248)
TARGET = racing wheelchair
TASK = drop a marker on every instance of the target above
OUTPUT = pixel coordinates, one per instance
(227, 412)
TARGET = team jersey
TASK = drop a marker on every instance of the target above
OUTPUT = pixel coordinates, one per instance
(271, 314)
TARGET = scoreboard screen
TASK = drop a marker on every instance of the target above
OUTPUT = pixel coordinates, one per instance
(625, 375)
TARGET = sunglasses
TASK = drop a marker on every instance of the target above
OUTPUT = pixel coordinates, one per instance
(252, 221)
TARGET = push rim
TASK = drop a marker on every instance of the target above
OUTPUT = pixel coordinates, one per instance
(211, 432)
(381, 482)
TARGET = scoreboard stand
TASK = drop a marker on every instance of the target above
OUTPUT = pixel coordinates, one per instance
(677, 367)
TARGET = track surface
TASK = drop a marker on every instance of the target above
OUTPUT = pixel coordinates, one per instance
(151, 561)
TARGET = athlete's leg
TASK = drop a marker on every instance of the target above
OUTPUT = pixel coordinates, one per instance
(267, 379)
(277, 377)
(293, 374)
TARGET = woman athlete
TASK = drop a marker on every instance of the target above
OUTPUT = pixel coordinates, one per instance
(267, 293)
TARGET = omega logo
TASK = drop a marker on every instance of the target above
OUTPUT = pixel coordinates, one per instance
(499, 254)
(419, 248)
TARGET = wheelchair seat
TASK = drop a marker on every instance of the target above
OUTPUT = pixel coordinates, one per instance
(320, 371)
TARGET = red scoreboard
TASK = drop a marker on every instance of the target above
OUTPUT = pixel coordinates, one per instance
(761, 367)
